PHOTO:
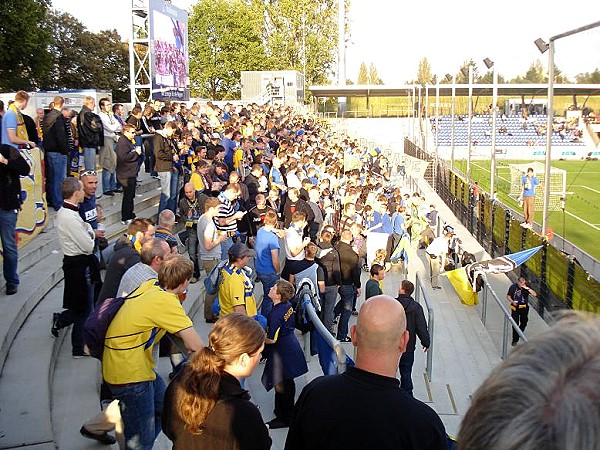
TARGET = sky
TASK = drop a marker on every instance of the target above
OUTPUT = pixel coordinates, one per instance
(395, 35)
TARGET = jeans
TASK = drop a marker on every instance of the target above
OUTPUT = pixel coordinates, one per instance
(225, 246)
(174, 192)
(405, 367)
(129, 185)
(327, 306)
(521, 317)
(267, 280)
(141, 406)
(89, 158)
(109, 182)
(192, 248)
(148, 146)
(10, 256)
(208, 265)
(344, 307)
(165, 190)
(56, 172)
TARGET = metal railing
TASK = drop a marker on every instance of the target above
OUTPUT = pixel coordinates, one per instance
(420, 292)
(309, 305)
(508, 320)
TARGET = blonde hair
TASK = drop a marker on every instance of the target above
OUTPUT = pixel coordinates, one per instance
(175, 271)
(198, 390)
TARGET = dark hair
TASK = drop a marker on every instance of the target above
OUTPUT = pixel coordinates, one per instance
(407, 287)
(375, 269)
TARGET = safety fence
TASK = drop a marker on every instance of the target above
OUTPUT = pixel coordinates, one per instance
(562, 281)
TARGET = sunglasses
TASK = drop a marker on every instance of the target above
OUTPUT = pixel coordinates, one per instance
(88, 172)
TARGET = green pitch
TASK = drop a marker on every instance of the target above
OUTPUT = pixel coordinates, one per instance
(580, 223)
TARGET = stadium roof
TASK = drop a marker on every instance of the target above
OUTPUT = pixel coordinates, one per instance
(446, 90)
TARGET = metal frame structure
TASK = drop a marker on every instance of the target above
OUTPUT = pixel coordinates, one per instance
(139, 52)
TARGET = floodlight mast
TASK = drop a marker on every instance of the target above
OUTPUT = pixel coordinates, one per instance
(543, 47)
(490, 65)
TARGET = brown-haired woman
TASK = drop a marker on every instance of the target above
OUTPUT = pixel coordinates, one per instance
(205, 406)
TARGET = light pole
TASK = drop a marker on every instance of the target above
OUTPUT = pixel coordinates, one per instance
(452, 113)
(490, 65)
(470, 124)
(437, 130)
(542, 47)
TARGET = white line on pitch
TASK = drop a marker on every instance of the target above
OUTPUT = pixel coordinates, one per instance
(584, 221)
(591, 189)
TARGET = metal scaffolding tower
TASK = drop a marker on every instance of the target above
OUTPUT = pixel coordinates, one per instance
(139, 52)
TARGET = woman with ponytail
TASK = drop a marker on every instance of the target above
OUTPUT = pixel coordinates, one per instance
(205, 405)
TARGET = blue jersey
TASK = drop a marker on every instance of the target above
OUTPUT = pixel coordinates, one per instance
(529, 185)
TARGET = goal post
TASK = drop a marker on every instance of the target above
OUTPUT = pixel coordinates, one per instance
(558, 184)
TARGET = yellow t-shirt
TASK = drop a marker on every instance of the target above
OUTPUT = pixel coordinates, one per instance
(235, 289)
(197, 181)
(238, 156)
(140, 323)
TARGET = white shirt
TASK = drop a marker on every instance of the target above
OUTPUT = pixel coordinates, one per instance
(110, 124)
(438, 246)
(293, 239)
(76, 237)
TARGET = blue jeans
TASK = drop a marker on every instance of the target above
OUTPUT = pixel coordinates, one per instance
(89, 158)
(225, 246)
(327, 305)
(174, 192)
(165, 190)
(10, 256)
(267, 280)
(344, 307)
(56, 172)
(405, 367)
(109, 181)
(141, 406)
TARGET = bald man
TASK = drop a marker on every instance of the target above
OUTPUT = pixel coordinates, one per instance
(365, 406)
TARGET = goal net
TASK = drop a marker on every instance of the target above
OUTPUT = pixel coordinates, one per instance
(558, 183)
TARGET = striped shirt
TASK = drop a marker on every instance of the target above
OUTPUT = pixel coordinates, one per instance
(226, 211)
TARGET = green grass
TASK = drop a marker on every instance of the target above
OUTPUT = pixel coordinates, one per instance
(583, 199)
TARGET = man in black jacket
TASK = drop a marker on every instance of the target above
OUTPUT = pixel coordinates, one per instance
(295, 203)
(329, 259)
(12, 167)
(350, 283)
(91, 132)
(56, 145)
(416, 326)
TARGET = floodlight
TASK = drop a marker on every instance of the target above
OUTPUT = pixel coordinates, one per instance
(448, 77)
(541, 45)
(464, 71)
(488, 63)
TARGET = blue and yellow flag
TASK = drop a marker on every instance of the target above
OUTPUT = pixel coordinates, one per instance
(464, 280)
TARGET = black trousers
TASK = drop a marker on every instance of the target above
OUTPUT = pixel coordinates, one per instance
(128, 197)
(285, 392)
(521, 317)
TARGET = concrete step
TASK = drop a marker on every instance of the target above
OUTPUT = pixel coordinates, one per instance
(26, 379)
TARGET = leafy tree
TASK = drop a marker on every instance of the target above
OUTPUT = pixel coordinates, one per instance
(301, 35)
(424, 75)
(488, 78)
(85, 60)
(588, 77)
(363, 76)
(24, 38)
(225, 38)
(538, 74)
(373, 77)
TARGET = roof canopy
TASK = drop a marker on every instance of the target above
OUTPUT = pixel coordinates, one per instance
(446, 90)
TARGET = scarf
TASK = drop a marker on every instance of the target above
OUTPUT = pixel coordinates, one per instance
(21, 129)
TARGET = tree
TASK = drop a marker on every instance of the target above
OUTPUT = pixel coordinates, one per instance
(488, 78)
(301, 35)
(463, 78)
(24, 39)
(363, 76)
(588, 78)
(224, 40)
(535, 74)
(424, 75)
(81, 59)
(373, 77)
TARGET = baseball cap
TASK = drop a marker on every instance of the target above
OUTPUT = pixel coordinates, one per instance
(216, 136)
(239, 250)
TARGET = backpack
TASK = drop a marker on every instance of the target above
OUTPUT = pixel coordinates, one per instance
(97, 323)
(212, 281)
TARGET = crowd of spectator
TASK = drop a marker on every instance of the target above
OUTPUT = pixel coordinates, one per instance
(262, 182)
